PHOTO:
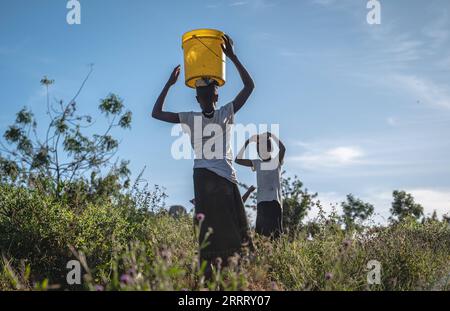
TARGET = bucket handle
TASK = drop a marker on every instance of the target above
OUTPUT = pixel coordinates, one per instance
(194, 36)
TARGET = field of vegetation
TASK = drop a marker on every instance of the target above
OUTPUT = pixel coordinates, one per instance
(126, 247)
(62, 199)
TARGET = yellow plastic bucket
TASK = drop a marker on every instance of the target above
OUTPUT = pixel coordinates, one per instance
(203, 56)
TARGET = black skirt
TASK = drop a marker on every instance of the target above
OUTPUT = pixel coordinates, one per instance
(269, 219)
(221, 203)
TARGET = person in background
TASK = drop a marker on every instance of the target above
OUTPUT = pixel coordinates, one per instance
(268, 175)
(217, 196)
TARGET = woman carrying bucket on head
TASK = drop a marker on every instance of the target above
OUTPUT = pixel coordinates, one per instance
(217, 195)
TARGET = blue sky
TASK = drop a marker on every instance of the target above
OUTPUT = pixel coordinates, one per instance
(363, 109)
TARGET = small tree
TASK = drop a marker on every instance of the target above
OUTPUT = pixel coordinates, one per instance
(297, 201)
(355, 211)
(64, 154)
(405, 206)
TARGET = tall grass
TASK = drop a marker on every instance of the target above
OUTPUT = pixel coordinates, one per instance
(124, 247)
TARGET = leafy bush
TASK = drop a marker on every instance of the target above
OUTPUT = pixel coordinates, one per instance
(35, 229)
(38, 229)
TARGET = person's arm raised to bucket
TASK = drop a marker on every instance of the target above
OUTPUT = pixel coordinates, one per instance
(244, 94)
(280, 145)
(158, 112)
(240, 156)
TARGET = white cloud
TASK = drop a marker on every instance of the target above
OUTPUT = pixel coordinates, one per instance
(425, 91)
(328, 158)
(404, 49)
(400, 50)
(433, 200)
(345, 155)
(396, 153)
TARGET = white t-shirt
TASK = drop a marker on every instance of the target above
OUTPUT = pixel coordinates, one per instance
(210, 139)
(268, 178)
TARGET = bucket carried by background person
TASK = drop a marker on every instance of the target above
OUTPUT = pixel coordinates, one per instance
(203, 56)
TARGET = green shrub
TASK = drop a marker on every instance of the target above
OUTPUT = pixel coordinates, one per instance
(36, 230)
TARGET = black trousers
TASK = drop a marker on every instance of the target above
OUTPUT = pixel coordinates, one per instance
(269, 219)
(221, 203)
